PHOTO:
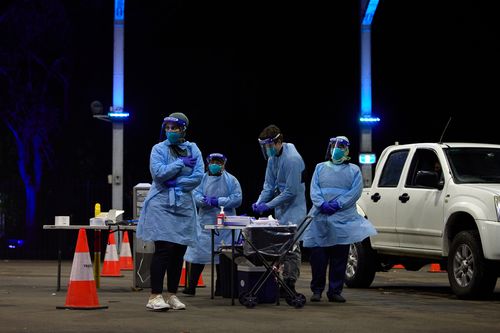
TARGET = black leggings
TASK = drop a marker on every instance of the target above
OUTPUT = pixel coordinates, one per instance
(168, 257)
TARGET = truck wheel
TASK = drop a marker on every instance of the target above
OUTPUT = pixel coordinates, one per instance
(361, 264)
(471, 276)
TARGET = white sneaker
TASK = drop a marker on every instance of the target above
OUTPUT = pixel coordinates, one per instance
(157, 304)
(175, 304)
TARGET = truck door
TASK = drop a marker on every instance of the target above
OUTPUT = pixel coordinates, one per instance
(420, 203)
(384, 193)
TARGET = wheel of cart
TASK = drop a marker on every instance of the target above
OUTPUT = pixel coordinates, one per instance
(298, 300)
(248, 300)
(268, 245)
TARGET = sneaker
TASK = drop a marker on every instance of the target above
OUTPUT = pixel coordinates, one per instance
(316, 297)
(336, 298)
(189, 291)
(157, 304)
(175, 304)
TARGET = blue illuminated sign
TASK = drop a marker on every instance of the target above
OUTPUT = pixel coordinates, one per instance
(367, 158)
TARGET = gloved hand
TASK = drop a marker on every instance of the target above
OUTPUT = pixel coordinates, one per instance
(211, 201)
(170, 183)
(254, 206)
(260, 208)
(188, 161)
(326, 208)
(334, 204)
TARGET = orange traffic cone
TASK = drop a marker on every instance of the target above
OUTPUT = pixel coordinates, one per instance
(126, 262)
(200, 282)
(182, 281)
(82, 293)
(435, 268)
(111, 266)
(399, 266)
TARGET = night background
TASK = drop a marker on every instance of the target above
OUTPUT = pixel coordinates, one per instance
(232, 67)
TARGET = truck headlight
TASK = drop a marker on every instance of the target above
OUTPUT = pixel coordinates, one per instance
(497, 206)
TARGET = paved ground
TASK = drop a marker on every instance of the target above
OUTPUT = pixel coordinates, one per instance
(398, 301)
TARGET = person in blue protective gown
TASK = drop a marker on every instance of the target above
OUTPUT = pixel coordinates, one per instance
(168, 216)
(283, 191)
(218, 189)
(336, 185)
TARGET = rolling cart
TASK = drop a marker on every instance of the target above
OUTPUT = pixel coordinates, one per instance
(268, 246)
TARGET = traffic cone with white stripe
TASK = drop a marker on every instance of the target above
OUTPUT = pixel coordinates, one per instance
(82, 292)
(126, 262)
(111, 266)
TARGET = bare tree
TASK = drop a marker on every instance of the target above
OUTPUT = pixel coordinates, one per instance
(34, 88)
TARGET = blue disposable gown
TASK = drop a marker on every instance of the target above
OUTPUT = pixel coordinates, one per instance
(169, 214)
(285, 173)
(343, 183)
(227, 188)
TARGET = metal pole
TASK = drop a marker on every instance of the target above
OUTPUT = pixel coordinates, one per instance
(117, 179)
(366, 102)
(368, 8)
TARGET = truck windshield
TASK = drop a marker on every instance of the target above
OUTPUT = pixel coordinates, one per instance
(474, 165)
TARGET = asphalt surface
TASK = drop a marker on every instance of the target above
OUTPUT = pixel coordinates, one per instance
(398, 301)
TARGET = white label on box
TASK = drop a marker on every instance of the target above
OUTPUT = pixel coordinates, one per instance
(61, 220)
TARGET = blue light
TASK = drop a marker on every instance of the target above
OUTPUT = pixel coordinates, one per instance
(119, 10)
(15, 243)
(369, 119)
(367, 158)
(370, 12)
(119, 115)
(117, 112)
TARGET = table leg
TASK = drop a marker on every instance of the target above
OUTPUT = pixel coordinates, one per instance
(232, 266)
(97, 258)
(212, 264)
(59, 260)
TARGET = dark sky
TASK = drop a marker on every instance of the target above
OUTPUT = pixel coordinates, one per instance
(234, 67)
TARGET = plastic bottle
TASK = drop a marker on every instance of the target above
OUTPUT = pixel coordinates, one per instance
(220, 216)
(97, 209)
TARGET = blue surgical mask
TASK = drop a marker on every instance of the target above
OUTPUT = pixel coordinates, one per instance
(214, 168)
(173, 137)
(337, 153)
(271, 151)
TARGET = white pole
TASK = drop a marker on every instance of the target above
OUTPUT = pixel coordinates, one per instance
(117, 182)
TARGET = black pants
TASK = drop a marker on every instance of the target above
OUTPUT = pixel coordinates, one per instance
(334, 256)
(168, 257)
(193, 272)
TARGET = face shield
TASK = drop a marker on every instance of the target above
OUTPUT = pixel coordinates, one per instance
(268, 146)
(338, 149)
(174, 129)
(216, 163)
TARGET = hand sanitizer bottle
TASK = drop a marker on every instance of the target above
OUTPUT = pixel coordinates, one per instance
(220, 216)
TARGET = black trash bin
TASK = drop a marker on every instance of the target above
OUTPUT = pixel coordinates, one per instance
(225, 271)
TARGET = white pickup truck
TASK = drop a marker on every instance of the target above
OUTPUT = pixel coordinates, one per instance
(433, 203)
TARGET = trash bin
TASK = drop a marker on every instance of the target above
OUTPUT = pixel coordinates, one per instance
(225, 272)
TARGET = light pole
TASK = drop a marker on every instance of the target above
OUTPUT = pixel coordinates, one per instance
(116, 114)
(366, 157)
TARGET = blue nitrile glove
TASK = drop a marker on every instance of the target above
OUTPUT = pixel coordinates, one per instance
(326, 208)
(210, 201)
(254, 207)
(170, 183)
(334, 204)
(188, 161)
(261, 208)
(214, 201)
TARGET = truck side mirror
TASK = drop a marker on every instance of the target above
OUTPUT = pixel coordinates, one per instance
(428, 179)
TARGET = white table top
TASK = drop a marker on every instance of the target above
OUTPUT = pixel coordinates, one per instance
(92, 227)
